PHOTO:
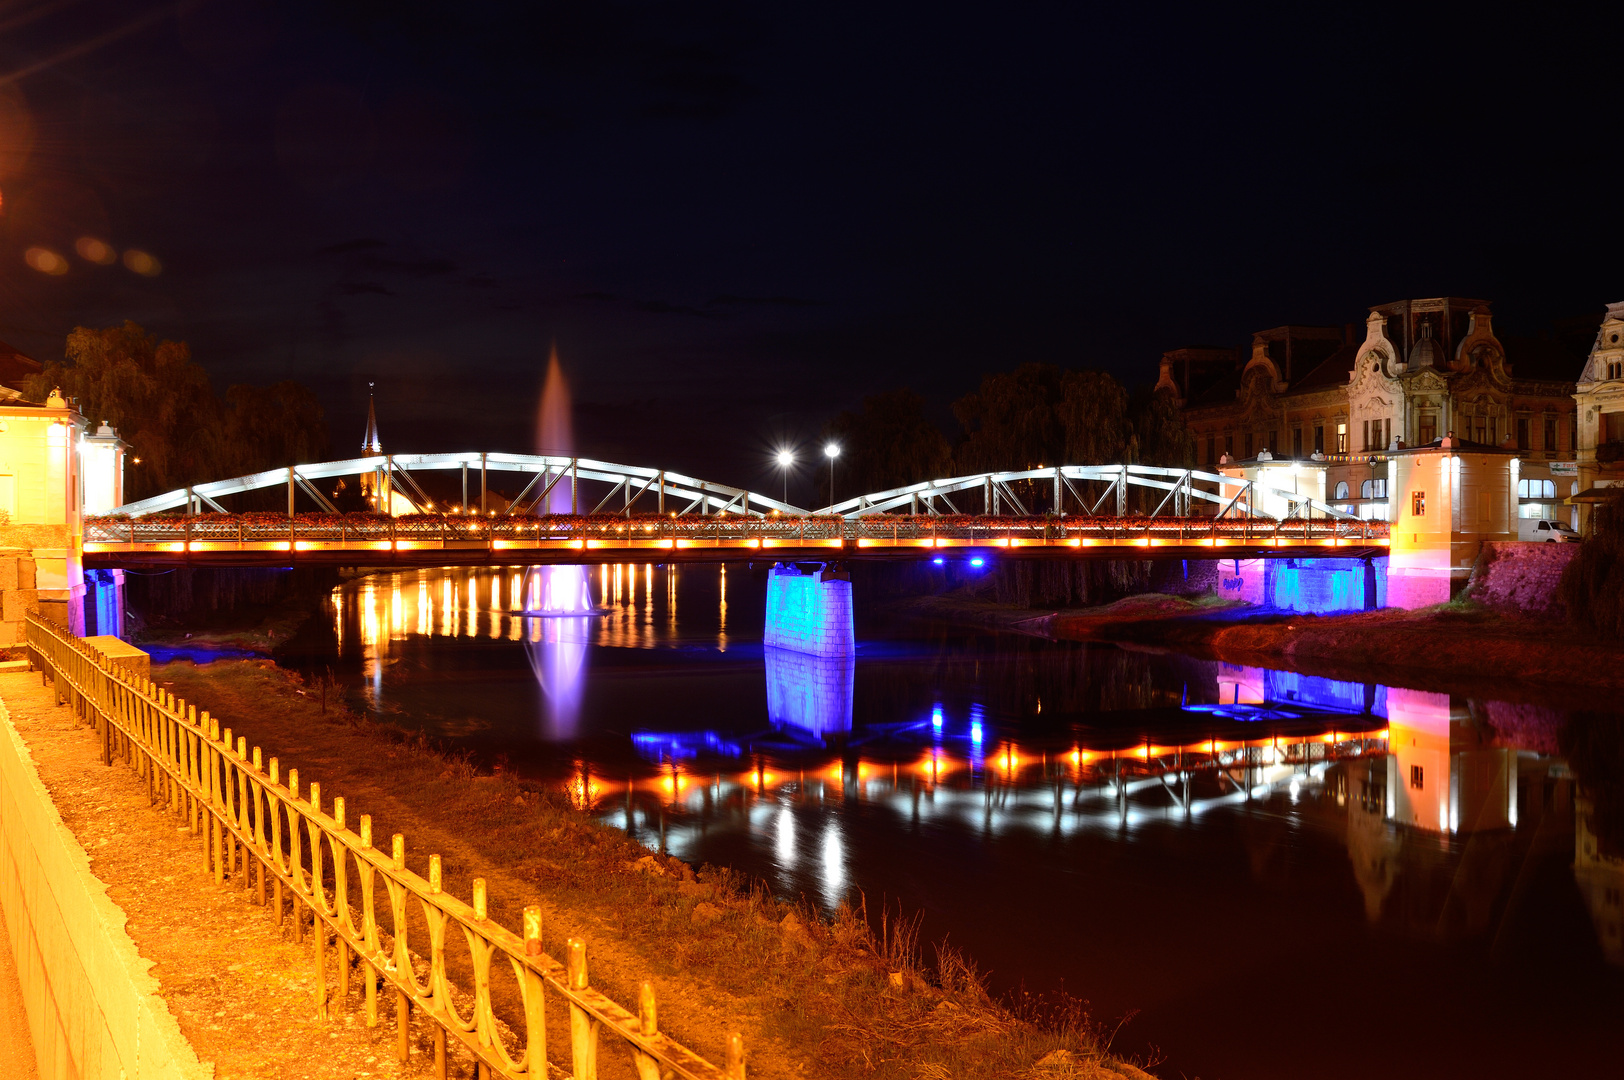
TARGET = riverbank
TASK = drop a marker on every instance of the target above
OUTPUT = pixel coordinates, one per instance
(813, 996)
(1463, 647)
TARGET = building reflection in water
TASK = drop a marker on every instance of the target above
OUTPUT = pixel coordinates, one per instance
(1437, 806)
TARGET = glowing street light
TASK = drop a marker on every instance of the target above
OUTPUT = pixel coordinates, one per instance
(832, 451)
(785, 460)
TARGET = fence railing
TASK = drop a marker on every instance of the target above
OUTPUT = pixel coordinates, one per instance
(258, 828)
(461, 530)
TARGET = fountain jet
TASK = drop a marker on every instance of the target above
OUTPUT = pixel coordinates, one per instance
(556, 642)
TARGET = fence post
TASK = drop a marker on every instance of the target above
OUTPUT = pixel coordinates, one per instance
(583, 1026)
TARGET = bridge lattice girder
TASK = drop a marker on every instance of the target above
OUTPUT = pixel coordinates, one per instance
(637, 482)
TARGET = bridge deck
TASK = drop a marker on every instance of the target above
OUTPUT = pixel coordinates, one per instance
(270, 540)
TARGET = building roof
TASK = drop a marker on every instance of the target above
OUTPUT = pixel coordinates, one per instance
(16, 365)
(1332, 371)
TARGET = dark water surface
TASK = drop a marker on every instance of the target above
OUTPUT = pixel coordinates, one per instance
(1377, 882)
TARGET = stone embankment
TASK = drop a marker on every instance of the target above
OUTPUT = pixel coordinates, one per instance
(1521, 577)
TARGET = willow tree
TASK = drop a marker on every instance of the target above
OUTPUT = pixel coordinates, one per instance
(1040, 415)
(887, 443)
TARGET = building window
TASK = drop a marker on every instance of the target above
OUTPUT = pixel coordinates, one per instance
(1482, 430)
(1536, 489)
(1418, 504)
(1273, 445)
(1212, 449)
(1428, 429)
(1417, 777)
(1319, 439)
(1229, 445)
(1373, 489)
(1342, 489)
(1367, 434)
(1612, 427)
(1248, 444)
(1615, 369)
(1550, 433)
(1296, 442)
(1342, 438)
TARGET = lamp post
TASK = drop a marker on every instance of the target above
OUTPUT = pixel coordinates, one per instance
(785, 460)
(832, 451)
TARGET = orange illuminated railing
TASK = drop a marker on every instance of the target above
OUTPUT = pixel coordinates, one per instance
(583, 532)
(250, 815)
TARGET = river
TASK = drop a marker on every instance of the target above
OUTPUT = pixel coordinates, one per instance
(1379, 881)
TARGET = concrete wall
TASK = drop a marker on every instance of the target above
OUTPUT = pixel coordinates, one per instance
(809, 613)
(93, 1008)
(1521, 575)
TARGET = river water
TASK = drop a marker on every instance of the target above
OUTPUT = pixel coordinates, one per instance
(1378, 882)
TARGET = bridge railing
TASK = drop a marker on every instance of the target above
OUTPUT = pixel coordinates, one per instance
(361, 530)
(250, 816)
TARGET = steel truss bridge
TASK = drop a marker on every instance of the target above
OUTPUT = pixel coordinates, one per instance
(647, 514)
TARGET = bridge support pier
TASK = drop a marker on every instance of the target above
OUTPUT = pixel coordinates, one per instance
(1312, 586)
(809, 612)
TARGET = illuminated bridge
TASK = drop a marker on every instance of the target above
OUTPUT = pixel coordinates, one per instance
(645, 514)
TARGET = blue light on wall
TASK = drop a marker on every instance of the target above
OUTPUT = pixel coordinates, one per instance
(812, 693)
(978, 562)
(1326, 586)
(936, 718)
(809, 613)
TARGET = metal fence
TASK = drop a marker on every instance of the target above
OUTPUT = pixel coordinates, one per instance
(992, 530)
(259, 828)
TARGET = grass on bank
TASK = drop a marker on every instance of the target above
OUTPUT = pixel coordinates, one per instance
(816, 994)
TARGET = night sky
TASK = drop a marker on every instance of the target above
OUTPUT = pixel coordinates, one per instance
(736, 220)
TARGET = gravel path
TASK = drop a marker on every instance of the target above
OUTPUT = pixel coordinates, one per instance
(240, 987)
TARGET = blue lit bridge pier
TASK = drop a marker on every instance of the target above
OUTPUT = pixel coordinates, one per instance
(810, 611)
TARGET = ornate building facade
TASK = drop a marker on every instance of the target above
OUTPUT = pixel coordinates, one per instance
(1424, 369)
(1600, 398)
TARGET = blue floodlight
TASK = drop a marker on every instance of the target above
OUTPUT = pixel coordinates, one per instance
(936, 718)
(975, 733)
(938, 561)
(978, 561)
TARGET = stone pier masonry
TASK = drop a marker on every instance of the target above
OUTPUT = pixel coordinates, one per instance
(809, 612)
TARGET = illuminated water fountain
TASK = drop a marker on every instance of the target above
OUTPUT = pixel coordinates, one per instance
(558, 605)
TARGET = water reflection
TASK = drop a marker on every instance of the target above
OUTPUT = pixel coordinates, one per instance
(1128, 803)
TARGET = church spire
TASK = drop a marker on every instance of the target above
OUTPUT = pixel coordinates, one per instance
(370, 444)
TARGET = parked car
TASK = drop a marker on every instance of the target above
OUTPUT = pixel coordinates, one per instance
(1553, 532)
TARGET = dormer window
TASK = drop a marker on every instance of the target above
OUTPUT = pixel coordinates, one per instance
(1615, 368)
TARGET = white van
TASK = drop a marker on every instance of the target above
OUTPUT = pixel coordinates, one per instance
(1554, 532)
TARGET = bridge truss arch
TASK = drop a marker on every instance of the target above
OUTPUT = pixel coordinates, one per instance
(1086, 490)
(640, 489)
(1097, 490)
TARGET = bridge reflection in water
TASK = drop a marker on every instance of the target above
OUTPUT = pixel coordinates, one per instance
(1433, 805)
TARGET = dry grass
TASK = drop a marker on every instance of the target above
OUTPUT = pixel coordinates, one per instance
(814, 997)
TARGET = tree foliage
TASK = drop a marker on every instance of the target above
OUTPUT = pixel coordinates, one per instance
(1039, 414)
(889, 442)
(1162, 436)
(1592, 586)
(161, 402)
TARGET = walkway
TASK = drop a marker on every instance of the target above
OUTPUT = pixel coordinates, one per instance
(241, 993)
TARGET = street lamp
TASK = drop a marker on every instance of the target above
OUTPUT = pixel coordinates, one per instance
(832, 451)
(785, 460)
